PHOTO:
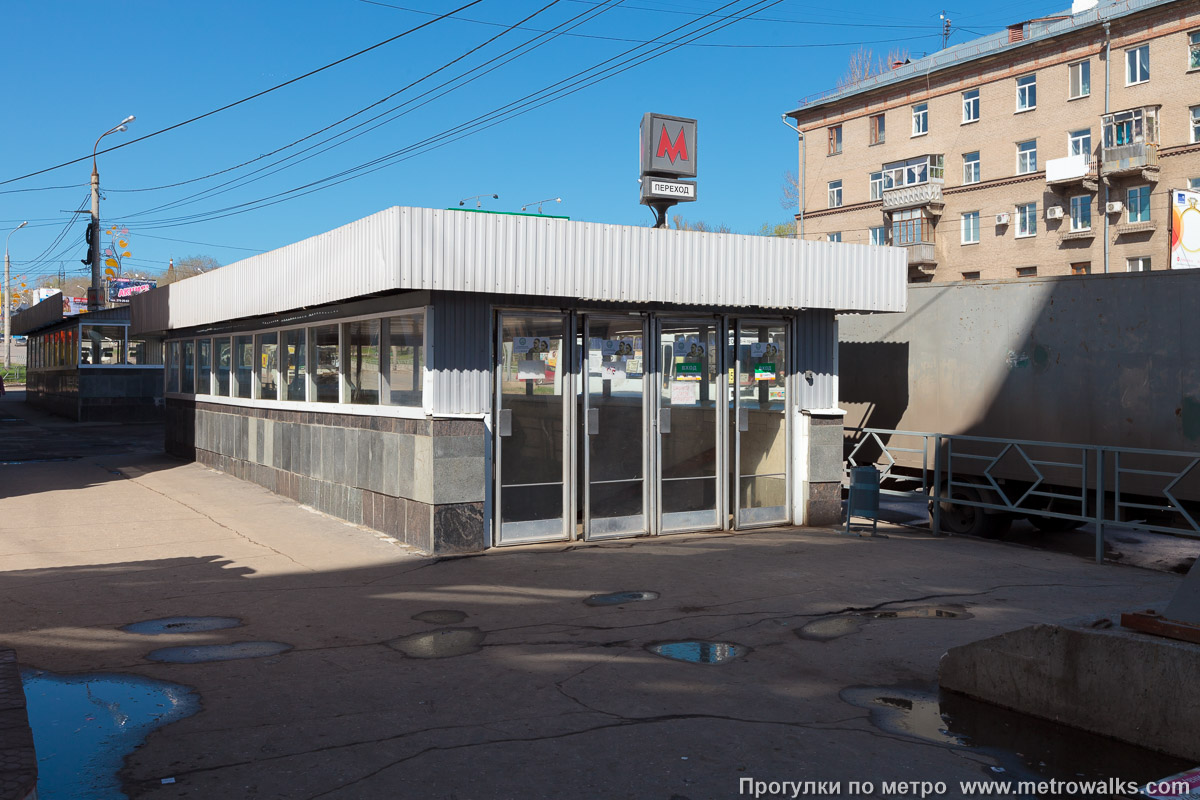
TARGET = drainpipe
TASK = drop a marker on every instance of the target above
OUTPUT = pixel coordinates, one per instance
(1100, 166)
(803, 166)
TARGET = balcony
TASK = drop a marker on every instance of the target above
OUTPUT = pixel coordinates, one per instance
(921, 256)
(914, 196)
(1130, 159)
(1079, 170)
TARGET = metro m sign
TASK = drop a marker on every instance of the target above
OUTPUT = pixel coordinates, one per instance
(668, 146)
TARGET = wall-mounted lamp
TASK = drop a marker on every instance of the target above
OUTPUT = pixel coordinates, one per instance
(478, 200)
(538, 203)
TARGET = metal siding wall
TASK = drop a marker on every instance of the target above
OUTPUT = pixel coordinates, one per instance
(817, 342)
(462, 360)
(421, 248)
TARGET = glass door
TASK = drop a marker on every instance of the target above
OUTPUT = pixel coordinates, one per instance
(614, 426)
(532, 384)
(761, 490)
(689, 392)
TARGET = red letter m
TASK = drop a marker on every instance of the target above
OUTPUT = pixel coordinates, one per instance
(672, 150)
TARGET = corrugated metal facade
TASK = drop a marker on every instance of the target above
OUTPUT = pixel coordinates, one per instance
(455, 251)
(46, 313)
(816, 337)
(462, 353)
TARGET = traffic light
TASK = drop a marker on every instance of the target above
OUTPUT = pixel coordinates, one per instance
(92, 244)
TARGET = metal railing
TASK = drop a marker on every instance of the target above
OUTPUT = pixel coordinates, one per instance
(1123, 487)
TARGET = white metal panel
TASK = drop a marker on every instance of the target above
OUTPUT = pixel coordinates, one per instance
(525, 256)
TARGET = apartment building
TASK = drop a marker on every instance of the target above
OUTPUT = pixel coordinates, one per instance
(1048, 148)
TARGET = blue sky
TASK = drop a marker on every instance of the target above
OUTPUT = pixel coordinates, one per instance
(75, 69)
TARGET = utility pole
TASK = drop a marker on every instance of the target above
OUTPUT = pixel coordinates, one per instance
(945, 30)
(95, 298)
(7, 300)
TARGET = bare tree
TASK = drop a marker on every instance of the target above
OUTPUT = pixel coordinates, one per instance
(187, 267)
(863, 65)
(791, 191)
(682, 224)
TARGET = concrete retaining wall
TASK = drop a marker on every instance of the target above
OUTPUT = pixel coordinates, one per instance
(420, 481)
(1130, 686)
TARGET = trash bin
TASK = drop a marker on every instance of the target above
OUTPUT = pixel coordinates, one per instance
(863, 500)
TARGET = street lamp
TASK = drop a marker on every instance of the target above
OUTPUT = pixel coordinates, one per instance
(7, 300)
(94, 300)
(478, 201)
(538, 203)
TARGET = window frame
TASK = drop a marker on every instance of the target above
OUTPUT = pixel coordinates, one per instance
(1073, 137)
(878, 129)
(1072, 205)
(875, 183)
(1135, 64)
(967, 228)
(835, 140)
(1143, 207)
(1029, 155)
(1084, 66)
(1193, 51)
(977, 171)
(835, 236)
(1026, 92)
(833, 196)
(920, 111)
(1194, 124)
(970, 103)
(1027, 218)
(1140, 260)
(877, 235)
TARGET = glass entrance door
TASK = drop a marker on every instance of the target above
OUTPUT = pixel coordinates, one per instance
(614, 422)
(688, 424)
(761, 490)
(532, 385)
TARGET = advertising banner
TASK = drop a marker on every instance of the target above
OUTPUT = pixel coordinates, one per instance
(1185, 229)
(121, 289)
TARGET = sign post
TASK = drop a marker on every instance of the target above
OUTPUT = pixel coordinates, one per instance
(668, 153)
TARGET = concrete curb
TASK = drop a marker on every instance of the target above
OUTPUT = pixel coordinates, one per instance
(18, 763)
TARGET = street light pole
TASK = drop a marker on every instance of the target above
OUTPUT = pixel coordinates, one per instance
(7, 299)
(95, 301)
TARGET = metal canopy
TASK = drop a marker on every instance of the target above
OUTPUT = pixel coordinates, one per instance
(432, 249)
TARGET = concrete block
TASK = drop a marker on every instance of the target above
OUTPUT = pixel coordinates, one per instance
(353, 506)
(422, 474)
(1114, 682)
(316, 451)
(823, 504)
(459, 480)
(267, 433)
(825, 462)
(458, 446)
(405, 479)
(386, 474)
(362, 472)
(418, 525)
(459, 528)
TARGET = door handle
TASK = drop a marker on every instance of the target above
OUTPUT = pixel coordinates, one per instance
(664, 420)
(743, 419)
(593, 421)
(504, 421)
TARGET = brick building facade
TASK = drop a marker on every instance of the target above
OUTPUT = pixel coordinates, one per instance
(1022, 153)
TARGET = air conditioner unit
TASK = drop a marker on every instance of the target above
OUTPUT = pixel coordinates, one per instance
(1002, 219)
(1115, 207)
(1054, 212)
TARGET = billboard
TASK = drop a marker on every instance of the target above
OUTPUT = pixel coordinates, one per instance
(121, 289)
(1185, 229)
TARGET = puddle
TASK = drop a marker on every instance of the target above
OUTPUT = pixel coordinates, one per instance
(620, 598)
(699, 652)
(443, 616)
(85, 725)
(197, 654)
(156, 627)
(1026, 748)
(442, 643)
(827, 629)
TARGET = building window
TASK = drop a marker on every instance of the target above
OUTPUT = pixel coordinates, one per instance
(1027, 157)
(267, 361)
(970, 227)
(1080, 79)
(1079, 143)
(293, 358)
(970, 276)
(1136, 126)
(970, 103)
(187, 384)
(1194, 184)
(1194, 50)
(1137, 65)
(835, 194)
(1081, 268)
(1027, 220)
(405, 337)
(971, 167)
(879, 235)
(1081, 212)
(362, 362)
(102, 344)
(833, 237)
(835, 140)
(204, 366)
(1137, 204)
(911, 226)
(1027, 93)
(172, 364)
(222, 363)
(877, 129)
(1137, 264)
(324, 363)
(243, 366)
(920, 119)
(876, 185)
(1195, 124)
(1026, 272)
